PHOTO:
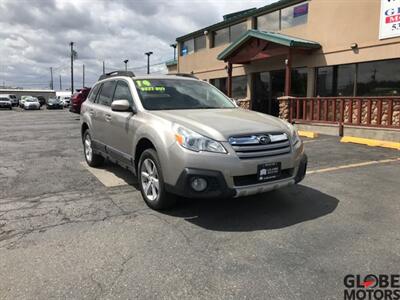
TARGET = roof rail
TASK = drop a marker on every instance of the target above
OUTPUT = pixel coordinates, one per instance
(117, 73)
(184, 75)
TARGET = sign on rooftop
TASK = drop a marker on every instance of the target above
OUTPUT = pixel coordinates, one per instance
(390, 19)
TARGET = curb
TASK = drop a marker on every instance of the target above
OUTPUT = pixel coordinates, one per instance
(370, 142)
(309, 134)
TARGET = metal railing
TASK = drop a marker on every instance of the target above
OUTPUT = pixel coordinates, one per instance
(358, 111)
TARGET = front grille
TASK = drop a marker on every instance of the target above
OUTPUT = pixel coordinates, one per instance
(260, 145)
(253, 178)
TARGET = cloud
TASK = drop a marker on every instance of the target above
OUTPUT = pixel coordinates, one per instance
(35, 35)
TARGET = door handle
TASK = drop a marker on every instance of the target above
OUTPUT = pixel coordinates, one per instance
(108, 117)
(91, 112)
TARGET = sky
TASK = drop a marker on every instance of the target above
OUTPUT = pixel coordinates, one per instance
(35, 35)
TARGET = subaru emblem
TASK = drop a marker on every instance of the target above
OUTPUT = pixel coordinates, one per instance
(264, 139)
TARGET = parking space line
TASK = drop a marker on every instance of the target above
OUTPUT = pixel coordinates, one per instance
(112, 176)
(362, 164)
(317, 140)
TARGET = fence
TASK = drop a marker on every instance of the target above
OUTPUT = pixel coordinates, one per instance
(360, 111)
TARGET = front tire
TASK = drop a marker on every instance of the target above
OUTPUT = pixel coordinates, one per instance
(94, 160)
(151, 182)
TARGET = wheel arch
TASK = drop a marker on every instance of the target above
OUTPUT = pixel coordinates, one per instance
(143, 144)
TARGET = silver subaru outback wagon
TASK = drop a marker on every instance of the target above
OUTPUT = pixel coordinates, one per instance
(183, 137)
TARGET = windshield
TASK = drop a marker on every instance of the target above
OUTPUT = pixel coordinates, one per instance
(52, 100)
(162, 94)
(31, 100)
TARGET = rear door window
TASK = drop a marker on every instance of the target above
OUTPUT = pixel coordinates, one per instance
(106, 93)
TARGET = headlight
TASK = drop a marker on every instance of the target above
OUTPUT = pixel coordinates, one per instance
(196, 142)
(293, 133)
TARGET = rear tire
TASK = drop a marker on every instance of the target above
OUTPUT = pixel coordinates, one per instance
(151, 182)
(94, 160)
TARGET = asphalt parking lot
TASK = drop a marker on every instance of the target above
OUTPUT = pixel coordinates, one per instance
(64, 234)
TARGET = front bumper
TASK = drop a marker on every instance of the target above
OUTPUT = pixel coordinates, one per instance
(229, 175)
(28, 107)
(5, 104)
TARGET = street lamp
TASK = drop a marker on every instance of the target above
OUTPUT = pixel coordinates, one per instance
(126, 64)
(148, 61)
(174, 46)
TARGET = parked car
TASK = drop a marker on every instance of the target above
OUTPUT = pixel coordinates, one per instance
(182, 136)
(66, 100)
(13, 98)
(42, 100)
(31, 103)
(54, 103)
(22, 100)
(5, 102)
(77, 99)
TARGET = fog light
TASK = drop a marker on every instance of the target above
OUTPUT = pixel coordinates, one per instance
(198, 184)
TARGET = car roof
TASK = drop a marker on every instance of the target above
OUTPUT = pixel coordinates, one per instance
(143, 77)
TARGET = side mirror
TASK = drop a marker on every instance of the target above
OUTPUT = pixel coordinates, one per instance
(121, 105)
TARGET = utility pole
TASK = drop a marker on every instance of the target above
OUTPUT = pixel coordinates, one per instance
(104, 68)
(148, 61)
(126, 64)
(60, 84)
(83, 77)
(51, 78)
(72, 66)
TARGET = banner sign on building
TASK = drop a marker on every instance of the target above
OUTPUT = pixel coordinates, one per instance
(390, 19)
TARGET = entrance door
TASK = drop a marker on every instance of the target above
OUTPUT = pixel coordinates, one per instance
(277, 90)
(267, 87)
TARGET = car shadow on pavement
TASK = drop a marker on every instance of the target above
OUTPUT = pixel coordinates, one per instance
(274, 210)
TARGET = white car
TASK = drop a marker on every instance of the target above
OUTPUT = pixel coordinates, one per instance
(12, 98)
(22, 100)
(66, 100)
(31, 103)
(5, 102)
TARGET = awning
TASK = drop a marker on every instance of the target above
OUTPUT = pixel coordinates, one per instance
(256, 44)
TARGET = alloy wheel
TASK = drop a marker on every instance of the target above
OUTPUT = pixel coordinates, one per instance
(88, 148)
(150, 179)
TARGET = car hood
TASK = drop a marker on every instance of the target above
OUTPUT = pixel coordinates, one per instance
(220, 124)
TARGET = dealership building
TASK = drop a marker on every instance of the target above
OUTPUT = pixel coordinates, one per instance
(323, 62)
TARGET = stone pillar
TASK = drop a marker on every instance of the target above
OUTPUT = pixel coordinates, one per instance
(284, 109)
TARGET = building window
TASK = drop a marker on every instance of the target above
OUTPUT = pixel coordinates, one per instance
(299, 82)
(221, 37)
(187, 47)
(219, 83)
(345, 80)
(284, 18)
(229, 34)
(294, 15)
(199, 43)
(239, 87)
(379, 78)
(336, 80)
(269, 22)
(237, 30)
